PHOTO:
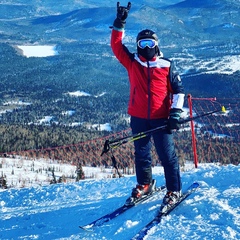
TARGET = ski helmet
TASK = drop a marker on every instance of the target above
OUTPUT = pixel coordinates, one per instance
(148, 53)
(147, 34)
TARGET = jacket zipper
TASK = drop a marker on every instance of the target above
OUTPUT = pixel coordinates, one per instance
(149, 91)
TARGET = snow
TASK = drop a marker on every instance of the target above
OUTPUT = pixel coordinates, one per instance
(69, 113)
(19, 102)
(20, 172)
(102, 127)
(84, 94)
(227, 64)
(55, 211)
(39, 50)
(79, 93)
(224, 65)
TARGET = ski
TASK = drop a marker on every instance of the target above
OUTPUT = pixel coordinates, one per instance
(144, 231)
(100, 221)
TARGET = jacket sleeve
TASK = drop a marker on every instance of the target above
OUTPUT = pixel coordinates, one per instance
(119, 49)
(177, 88)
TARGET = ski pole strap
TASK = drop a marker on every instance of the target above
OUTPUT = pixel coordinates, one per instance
(115, 165)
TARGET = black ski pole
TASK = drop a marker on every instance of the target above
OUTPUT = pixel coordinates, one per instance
(201, 115)
(118, 142)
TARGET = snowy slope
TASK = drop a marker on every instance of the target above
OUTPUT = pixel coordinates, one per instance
(56, 211)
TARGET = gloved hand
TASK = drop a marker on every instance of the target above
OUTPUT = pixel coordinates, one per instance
(173, 120)
(122, 12)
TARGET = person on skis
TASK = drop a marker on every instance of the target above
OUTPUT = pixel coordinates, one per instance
(156, 99)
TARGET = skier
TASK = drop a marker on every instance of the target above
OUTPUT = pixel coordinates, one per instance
(156, 98)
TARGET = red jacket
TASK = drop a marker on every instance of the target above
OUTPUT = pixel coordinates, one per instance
(154, 87)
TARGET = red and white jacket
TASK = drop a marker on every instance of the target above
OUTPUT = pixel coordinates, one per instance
(154, 86)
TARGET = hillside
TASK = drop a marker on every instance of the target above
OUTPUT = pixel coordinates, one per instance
(55, 211)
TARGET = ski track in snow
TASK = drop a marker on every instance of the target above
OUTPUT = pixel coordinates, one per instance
(56, 211)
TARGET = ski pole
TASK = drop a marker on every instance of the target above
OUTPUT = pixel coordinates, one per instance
(118, 142)
(223, 110)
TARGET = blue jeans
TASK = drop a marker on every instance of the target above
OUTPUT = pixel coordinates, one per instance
(164, 145)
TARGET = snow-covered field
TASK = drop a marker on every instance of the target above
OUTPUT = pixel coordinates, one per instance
(55, 211)
(20, 172)
(38, 51)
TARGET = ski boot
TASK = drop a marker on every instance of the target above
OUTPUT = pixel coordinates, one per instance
(140, 192)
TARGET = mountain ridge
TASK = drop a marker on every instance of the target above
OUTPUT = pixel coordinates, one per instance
(180, 19)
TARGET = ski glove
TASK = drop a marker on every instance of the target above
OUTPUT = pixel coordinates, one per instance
(122, 12)
(173, 121)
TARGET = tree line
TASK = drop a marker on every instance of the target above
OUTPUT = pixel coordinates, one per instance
(44, 83)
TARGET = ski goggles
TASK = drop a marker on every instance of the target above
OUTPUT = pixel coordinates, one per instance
(147, 42)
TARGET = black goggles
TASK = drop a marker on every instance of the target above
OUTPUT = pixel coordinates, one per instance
(148, 42)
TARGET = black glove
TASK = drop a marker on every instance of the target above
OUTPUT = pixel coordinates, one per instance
(122, 14)
(173, 121)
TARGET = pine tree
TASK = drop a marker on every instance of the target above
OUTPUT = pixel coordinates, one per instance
(80, 172)
(3, 183)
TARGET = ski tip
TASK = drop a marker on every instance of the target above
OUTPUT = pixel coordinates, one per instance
(196, 184)
(86, 228)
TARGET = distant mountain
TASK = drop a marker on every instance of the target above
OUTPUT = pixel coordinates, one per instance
(182, 23)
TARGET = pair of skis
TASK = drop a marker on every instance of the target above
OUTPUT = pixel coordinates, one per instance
(144, 231)
(106, 218)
